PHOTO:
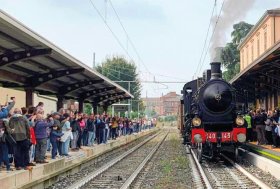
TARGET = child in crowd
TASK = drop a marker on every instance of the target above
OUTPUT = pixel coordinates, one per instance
(54, 139)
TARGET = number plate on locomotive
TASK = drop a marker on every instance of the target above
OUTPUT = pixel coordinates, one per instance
(212, 136)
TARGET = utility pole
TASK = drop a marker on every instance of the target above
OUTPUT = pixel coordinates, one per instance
(138, 110)
(93, 63)
(129, 102)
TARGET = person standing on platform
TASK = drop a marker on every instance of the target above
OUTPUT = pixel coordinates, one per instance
(82, 126)
(75, 128)
(85, 132)
(275, 119)
(268, 127)
(21, 133)
(40, 108)
(56, 121)
(107, 130)
(260, 127)
(65, 139)
(4, 153)
(102, 129)
(114, 128)
(41, 135)
(91, 128)
(249, 131)
(55, 138)
(97, 125)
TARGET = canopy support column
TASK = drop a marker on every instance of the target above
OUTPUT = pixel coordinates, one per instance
(29, 97)
(81, 105)
(94, 106)
(59, 103)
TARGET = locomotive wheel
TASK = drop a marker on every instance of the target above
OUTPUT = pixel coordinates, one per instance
(199, 152)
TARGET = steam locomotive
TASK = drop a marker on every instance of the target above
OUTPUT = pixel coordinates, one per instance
(210, 119)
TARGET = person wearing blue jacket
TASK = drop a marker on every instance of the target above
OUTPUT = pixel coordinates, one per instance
(40, 130)
(5, 110)
(54, 139)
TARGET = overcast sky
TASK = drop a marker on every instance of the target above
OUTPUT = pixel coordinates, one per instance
(168, 34)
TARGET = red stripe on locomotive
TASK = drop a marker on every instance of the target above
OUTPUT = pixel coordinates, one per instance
(212, 136)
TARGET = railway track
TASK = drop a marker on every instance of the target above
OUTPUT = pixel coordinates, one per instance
(223, 173)
(121, 171)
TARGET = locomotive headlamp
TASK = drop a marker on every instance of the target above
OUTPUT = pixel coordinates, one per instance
(241, 137)
(196, 121)
(197, 138)
(239, 121)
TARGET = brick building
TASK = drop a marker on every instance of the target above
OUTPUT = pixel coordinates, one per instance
(165, 105)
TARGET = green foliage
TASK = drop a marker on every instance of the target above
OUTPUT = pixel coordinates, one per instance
(88, 108)
(170, 118)
(240, 30)
(230, 54)
(119, 69)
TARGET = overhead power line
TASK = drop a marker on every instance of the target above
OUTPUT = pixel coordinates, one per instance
(110, 29)
(205, 41)
(130, 41)
(118, 72)
(203, 62)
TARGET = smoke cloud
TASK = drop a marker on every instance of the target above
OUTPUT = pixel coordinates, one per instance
(232, 12)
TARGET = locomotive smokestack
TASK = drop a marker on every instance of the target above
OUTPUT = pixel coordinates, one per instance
(216, 70)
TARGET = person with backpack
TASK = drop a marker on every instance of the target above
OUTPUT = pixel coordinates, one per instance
(21, 133)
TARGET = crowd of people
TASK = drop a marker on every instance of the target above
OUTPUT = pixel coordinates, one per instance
(263, 127)
(26, 134)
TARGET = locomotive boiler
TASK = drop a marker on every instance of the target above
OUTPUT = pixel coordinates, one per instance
(211, 121)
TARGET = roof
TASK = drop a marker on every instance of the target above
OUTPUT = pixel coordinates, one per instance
(260, 76)
(267, 58)
(272, 12)
(27, 60)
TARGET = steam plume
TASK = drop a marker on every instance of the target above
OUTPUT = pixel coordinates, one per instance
(232, 12)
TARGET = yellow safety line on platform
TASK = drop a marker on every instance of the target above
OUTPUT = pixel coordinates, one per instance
(266, 154)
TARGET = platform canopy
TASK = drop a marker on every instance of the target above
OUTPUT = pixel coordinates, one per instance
(31, 62)
(261, 77)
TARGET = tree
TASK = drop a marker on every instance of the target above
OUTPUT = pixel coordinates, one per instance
(230, 55)
(88, 109)
(119, 69)
(240, 30)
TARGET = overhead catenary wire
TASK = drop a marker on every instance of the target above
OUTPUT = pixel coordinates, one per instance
(128, 38)
(104, 19)
(118, 72)
(203, 62)
(110, 29)
(205, 41)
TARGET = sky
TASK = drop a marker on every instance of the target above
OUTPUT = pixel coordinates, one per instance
(168, 35)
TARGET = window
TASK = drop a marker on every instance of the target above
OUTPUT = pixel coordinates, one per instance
(252, 51)
(242, 59)
(265, 40)
(258, 46)
(247, 55)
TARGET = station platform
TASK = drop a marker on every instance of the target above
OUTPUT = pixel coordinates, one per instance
(43, 175)
(265, 150)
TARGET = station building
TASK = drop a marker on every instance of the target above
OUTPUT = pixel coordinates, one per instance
(33, 70)
(259, 77)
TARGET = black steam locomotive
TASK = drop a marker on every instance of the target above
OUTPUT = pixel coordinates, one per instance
(210, 117)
